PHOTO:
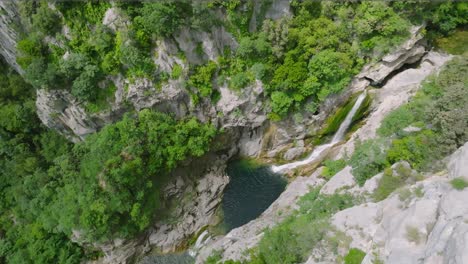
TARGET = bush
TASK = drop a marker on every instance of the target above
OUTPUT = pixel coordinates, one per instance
(368, 159)
(176, 71)
(459, 183)
(419, 150)
(162, 18)
(413, 235)
(202, 78)
(387, 184)
(239, 80)
(46, 20)
(280, 103)
(85, 85)
(332, 167)
(354, 256)
(395, 121)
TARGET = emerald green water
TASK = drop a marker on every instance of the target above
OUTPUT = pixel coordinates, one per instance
(249, 193)
(251, 190)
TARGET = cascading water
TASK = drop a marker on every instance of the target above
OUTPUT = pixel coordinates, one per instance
(336, 138)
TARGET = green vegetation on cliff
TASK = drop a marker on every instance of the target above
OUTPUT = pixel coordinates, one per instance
(300, 59)
(108, 186)
(439, 110)
(103, 188)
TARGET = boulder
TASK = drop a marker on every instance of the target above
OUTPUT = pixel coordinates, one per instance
(343, 179)
(293, 153)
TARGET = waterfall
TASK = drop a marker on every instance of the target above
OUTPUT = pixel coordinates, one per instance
(336, 138)
(198, 244)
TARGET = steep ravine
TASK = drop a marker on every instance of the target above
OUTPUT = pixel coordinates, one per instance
(196, 191)
(392, 94)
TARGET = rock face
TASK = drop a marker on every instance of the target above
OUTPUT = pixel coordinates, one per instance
(9, 24)
(60, 110)
(199, 46)
(191, 198)
(396, 92)
(458, 163)
(430, 226)
(409, 52)
(195, 205)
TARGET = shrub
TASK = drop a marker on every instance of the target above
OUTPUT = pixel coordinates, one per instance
(161, 19)
(176, 71)
(46, 20)
(240, 80)
(202, 78)
(280, 103)
(332, 167)
(413, 235)
(354, 256)
(387, 184)
(459, 183)
(395, 121)
(85, 86)
(418, 150)
(368, 159)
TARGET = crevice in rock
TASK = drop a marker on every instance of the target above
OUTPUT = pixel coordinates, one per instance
(403, 68)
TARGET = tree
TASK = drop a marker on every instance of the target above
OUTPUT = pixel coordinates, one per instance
(162, 18)
(46, 20)
(280, 103)
(85, 85)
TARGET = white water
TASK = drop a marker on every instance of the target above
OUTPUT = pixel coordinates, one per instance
(320, 149)
(198, 244)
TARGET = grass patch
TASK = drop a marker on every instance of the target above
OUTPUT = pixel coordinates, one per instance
(459, 183)
(456, 43)
(413, 235)
(354, 256)
(391, 181)
(332, 167)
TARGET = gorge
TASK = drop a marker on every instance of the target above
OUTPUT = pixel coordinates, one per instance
(246, 132)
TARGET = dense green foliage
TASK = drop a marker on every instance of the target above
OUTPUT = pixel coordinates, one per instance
(368, 159)
(332, 167)
(105, 187)
(27, 150)
(119, 181)
(354, 256)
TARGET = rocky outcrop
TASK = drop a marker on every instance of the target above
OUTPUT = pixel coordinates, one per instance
(409, 52)
(9, 31)
(194, 207)
(458, 163)
(191, 200)
(428, 224)
(396, 92)
(61, 111)
(170, 98)
(200, 46)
